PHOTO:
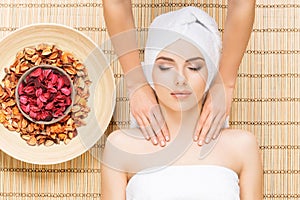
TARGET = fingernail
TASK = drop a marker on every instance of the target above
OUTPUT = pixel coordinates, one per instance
(162, 143)
(195, 138)
(154, 141)
(200, 143)
(167, 138)
(207, 140)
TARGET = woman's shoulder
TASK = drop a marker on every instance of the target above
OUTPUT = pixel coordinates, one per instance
(127, 139)
(239, 135)
(243, 141)
(118, 136)
(239, 147)
(126, 150)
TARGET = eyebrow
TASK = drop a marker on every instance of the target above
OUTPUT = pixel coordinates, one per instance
(196, 58)
(164, 58)
(171, 60)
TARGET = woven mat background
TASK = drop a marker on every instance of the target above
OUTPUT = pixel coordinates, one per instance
(266, 100)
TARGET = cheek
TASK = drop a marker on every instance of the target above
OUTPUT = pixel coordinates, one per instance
(203, 74)
(162, 80)
(161, 88)
(198, 87)
(198, 83)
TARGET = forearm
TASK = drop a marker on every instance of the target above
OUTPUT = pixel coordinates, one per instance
(120, 24)
(238, 27)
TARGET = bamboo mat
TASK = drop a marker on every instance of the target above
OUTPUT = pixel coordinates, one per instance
(266, 100)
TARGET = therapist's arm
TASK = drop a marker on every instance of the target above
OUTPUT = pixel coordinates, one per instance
(143, 104)
(237, 31)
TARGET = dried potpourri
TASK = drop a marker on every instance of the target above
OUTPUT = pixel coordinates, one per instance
(33, 133)
(44, 94)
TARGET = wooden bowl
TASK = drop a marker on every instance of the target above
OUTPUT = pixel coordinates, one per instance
(54, 119)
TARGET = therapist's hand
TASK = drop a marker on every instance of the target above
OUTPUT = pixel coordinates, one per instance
(215, 110)
(145, 109)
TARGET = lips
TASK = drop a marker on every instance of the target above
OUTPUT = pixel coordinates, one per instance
(181, 94)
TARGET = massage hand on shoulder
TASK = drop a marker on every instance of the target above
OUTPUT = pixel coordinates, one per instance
(143, 104)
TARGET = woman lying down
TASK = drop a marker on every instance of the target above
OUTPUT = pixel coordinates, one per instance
(181, 61)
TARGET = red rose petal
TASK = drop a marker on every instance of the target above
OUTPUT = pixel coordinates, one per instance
(68, 101)
(20, 89)
(46, 116)
(66, 81)
(38, 117)
(49, 106)
(57, 113)
(38, 92)
(66, 91)
(60, 97)
(46, 95)
(25, 108)
(23, 99)
(29, 90)
(39, 103)
(52, 90)
(53, 77)
(32, 100)
(36, 72)
(46, 72)
(34, 109)
(49, 85)
(61, 104)
(43, 98)
(32, 114)
(60, 83)
(27, 79)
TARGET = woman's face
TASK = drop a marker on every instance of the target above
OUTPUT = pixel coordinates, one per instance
(179, 76)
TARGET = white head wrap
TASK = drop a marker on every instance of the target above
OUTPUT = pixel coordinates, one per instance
(190, 24)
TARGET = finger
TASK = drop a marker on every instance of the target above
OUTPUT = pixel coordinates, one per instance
(219, 127)
(165, 131)
(213, 128)
(203, 117)
(149, 130)
(152, 135)
(161, 123)
(142, 128)
(157, 130)
(161, 139)
(205, 130)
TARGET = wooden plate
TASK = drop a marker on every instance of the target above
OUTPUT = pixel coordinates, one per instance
(101, 100)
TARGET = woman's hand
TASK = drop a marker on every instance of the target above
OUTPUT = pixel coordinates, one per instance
(146, 111)
(214, 113)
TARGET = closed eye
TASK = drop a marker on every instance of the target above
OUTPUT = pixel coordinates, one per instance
(195, 68)
(163, 67)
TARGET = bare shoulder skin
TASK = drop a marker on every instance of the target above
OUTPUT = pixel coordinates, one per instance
(235, 149)
(251, 174)
(243, 145)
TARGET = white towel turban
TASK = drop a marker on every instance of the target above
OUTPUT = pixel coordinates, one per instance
(190, 24)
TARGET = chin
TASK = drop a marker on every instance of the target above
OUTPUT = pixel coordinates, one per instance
(181, 106)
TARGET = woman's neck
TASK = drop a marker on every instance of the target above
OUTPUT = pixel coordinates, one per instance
(181, 121)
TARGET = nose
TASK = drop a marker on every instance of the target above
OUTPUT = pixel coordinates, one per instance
(180, 80)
